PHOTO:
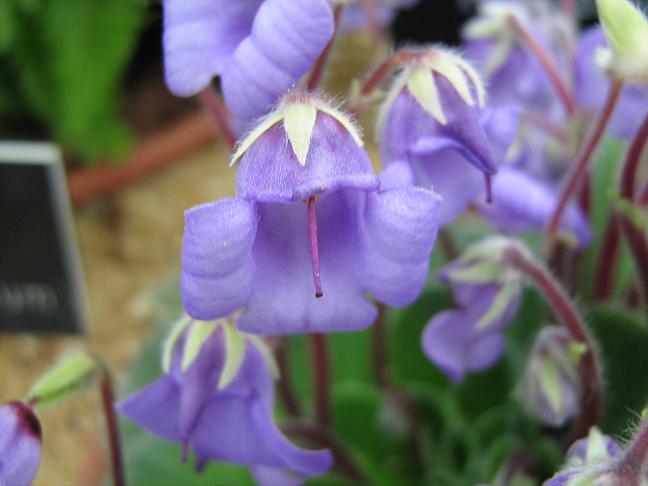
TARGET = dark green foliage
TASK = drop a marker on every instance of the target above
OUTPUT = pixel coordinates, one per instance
(62, 62)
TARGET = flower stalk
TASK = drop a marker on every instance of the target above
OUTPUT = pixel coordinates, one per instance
(570, 317)
(316, 74)
(215, 107)
(579, 168)
(634, 234)
(114, 439)
(321, 378)
(547, 63)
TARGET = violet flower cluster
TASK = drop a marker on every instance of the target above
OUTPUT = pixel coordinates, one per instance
(315, 239)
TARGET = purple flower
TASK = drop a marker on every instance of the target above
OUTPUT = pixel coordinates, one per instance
(592, 84)
(470, 337)
(259, 48)
(514, 75)
(434, 164)
(355, 18)
(550, 387)
(522, 203)
(311, 233)
(217, 398)
(433, 118)
(594, 447)
(591, 461)
(20, 444)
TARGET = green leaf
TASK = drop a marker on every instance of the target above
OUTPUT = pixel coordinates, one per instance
(623, 342)
(69, 57)
(68, 377)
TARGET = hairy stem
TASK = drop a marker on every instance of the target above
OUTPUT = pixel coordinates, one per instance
(546, 61)
(634, 234)
(566, 312)
(214, 105)
(630, 468)
(321, 378)
(284, 385)
(114, 439)
(316, 74)
(607, 260)
(580, 166)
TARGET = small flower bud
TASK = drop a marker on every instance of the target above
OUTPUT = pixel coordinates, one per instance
(20, 444)
(550, 388)
(626, 28)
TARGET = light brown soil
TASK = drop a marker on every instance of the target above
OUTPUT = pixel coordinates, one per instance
(127, 246)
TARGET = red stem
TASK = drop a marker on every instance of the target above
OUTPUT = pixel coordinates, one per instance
(381, 73)
(548, 64)
(634, 235)
(371, 11)
(284, 385)
(579, 168)
(569, 316)
(114, 440)
(630, 468)
(214, 105)
(540, 122)
(608, 257)
(642, 199)
(315, 77)
(321, 378)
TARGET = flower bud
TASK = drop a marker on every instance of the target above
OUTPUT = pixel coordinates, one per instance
(20, 444)
(550, 388)
(626, 29)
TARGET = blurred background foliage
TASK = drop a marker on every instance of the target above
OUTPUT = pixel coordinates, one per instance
(61, 70)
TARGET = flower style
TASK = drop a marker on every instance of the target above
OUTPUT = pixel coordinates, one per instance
(20, 444)
(217, 397)
(550, 386)
(470, 337)
(259, 48)
(309, 204)
(433, 118)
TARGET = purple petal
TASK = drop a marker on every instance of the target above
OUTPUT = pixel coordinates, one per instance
(396, 175)
(283, 301)
(287, 37)
(216, 263)
(241, 430)
(270, 476)
(398, 230)
(447, 172)
(199, 37)
(407, 123)
(522, 204)
(269, 170)
(20, 444)
(452, 340)
(155, 408)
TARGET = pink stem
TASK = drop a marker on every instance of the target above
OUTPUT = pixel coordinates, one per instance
(314, 248)
(579, 168)
(316, 74)
(631, 465)
(548, 64)
(214, 105)
(321, 378)
(371, 11)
